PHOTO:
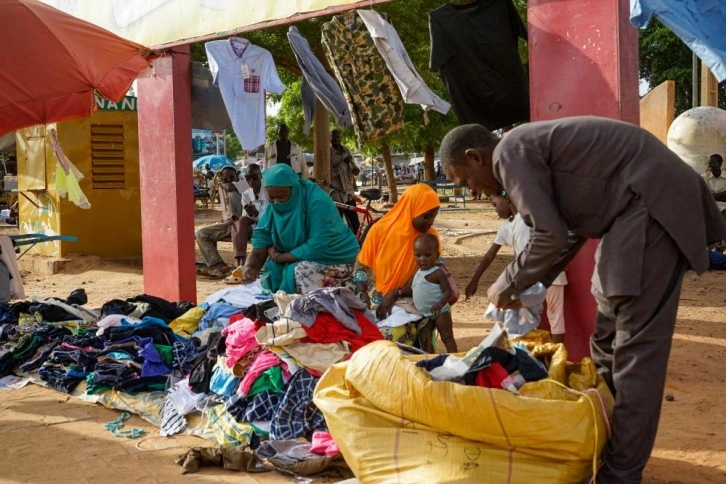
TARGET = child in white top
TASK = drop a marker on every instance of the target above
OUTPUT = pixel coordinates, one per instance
(515, 233)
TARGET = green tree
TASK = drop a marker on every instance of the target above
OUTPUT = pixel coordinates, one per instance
(234, 149)
(663, 56)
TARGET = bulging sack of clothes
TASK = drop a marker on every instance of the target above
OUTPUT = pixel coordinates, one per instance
(393, 423)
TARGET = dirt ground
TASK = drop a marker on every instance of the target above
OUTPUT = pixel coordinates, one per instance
(67, 434)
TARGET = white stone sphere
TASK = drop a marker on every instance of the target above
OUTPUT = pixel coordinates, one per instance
(697, 134)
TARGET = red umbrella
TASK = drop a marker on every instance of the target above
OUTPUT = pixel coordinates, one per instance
(51, 63)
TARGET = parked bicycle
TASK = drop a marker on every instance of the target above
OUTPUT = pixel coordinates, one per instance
(368, 214)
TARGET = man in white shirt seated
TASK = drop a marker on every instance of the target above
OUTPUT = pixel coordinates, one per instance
(716, 181)
(253, 202)
(240, 212)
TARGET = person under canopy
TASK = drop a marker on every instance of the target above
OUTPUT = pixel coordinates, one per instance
(301, 239)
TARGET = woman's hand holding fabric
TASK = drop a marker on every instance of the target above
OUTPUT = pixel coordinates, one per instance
(280, 257)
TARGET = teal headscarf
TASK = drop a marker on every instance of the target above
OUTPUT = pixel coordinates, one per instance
(308, 225)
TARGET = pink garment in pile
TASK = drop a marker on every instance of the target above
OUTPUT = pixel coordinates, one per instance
(323, 444)
(240, 340)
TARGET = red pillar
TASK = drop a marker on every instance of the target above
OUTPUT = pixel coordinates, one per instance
(165, 153)
(583, 61)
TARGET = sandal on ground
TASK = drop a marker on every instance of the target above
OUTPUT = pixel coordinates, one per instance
(235, 277)
(232, 280)
(218, 272)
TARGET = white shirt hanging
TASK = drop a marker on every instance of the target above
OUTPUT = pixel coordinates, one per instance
(244, 72)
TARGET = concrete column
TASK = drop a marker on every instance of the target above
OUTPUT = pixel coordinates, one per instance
(709, 87)
(165, 156)
(584, 62)
(657, 110)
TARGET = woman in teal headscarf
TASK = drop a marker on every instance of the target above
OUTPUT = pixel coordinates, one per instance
(303, 235)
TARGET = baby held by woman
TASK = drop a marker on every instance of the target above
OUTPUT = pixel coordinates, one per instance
(431, 292)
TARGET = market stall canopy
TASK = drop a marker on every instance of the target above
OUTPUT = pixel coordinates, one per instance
(53, 62)
(164, 23)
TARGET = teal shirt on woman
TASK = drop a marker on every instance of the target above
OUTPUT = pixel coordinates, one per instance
(307, 225)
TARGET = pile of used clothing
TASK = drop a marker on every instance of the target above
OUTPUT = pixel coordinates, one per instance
(495, 363)
(239, 368)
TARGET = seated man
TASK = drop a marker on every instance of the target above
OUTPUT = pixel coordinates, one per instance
(208, 173)
(11, 283)
(200, 193)
(716, 181)
(253, 202)
(207, 237)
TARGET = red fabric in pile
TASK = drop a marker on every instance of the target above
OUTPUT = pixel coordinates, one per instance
(327, 329)
(491, 376)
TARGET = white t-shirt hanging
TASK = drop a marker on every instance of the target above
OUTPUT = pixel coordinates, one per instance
(244, 72)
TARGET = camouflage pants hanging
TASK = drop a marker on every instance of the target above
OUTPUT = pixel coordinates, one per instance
(373, 97)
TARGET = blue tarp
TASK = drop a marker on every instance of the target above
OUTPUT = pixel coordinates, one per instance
(701, 24)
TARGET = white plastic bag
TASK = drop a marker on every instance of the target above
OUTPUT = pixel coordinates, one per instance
(183, 399)
(520, 321)
(455, 367)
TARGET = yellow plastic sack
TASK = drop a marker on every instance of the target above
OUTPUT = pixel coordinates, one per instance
(394, 424)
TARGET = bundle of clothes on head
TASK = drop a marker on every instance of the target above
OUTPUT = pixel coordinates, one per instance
(239, 368)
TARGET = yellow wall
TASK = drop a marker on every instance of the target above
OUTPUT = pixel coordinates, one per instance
(37, 202)
(657, 109)
(112, 226)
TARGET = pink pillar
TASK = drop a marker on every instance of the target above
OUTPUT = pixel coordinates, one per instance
(165, 153)
(583, 61)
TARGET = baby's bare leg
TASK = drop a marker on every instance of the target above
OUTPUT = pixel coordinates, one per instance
(425, 333)
(445, 326)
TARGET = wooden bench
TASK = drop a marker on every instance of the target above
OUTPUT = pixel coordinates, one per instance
(448, 190)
